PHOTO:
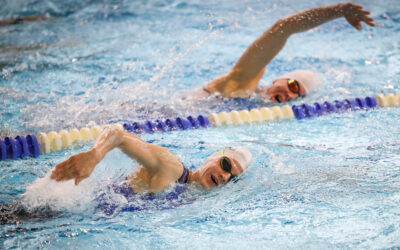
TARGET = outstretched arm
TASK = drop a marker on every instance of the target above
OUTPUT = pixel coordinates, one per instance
(155, 158)
(248, 70)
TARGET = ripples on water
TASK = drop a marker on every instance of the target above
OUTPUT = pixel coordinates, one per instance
(326, 182)
(99, 62)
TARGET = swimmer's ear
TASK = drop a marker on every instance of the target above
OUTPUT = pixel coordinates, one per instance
(78, 180)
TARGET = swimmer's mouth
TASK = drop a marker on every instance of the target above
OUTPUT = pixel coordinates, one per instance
(215, 182)
(278, 98)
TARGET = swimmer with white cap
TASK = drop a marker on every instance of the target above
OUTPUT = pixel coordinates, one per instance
(243, 78)
(231, 160)
(160, 167)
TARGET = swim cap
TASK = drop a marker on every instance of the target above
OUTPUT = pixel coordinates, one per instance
(240, 154)
(307, 78)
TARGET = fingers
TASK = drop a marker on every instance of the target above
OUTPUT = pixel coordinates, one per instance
(66, 174)
(371, 23)
(78, 180)
(357, 25)
(356, 11)
(354, 22)
(368, 20)
(64, 171)
(365, 12)
(360, 15)
(365, 18)
(59, 167)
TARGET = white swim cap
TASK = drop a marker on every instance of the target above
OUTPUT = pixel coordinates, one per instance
(240, 154)
(307, 78)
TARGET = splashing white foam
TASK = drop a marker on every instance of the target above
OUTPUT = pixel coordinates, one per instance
(45, 192)
(108, 102)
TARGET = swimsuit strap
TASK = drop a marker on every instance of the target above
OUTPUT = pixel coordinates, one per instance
(184, 178)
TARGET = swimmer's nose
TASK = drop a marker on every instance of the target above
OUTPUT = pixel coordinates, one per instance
(280, 98)
(225, 177)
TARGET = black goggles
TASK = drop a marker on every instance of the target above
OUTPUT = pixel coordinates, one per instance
(226, 165)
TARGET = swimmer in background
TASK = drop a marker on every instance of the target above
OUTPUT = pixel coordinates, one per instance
(243, 78)
(160, 167)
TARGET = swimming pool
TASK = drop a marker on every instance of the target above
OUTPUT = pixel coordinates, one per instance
(326, 182)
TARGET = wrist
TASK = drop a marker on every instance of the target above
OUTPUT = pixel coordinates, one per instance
(339, 9)
(345, 8)
(96, 155)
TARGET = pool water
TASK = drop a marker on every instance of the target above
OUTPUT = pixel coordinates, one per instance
(328, 182)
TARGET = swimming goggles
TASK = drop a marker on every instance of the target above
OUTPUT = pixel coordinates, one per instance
(293, 86)
(226, 165)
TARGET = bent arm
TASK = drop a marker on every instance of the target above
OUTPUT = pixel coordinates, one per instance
(146, 154)
(152, 157)
(248, 70)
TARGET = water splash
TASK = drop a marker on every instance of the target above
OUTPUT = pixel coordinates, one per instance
(58, 196)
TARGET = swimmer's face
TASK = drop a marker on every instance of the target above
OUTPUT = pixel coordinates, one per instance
(279, 91)
(212, 175)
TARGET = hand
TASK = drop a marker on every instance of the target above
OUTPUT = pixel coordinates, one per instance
(77, 167)
(354, 14)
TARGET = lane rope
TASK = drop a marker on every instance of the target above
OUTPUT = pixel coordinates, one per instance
(20, 147)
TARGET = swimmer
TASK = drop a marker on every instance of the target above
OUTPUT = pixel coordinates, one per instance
(243, 78)
(160, 167)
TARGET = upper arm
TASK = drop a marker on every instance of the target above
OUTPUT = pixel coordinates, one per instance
(248, 70)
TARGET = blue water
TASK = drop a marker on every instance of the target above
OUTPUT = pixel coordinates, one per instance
(330, 182)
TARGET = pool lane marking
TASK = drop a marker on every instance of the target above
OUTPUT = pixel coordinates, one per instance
(44, 143)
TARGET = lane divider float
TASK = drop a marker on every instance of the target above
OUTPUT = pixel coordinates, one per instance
(44, 143)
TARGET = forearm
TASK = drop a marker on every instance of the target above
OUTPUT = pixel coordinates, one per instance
(310, 18)
(81, 165)
(146, 154)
